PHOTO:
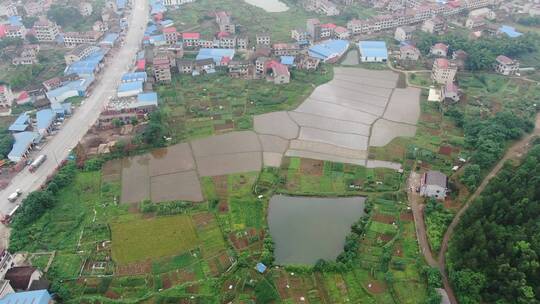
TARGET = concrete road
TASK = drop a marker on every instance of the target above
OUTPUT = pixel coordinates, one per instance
(58, 146)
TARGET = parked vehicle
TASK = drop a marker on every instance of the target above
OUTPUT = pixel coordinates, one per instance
(37, 162)
(6, 219)
(15, 195)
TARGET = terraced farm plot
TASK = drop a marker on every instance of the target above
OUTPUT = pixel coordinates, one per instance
(143, 239)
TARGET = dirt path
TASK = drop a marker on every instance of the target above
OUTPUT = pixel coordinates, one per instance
(419, 223)
(516, 151)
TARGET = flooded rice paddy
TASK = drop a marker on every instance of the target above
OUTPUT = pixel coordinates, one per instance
(271, 6)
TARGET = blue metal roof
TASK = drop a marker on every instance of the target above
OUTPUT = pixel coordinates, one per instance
(23, 140)
(130, 86)
(15, 21)
(121, 4)
(167, 23)
(373, 49)
(150, 97)
(151, 29)
(329, 49)
(110, 38)
(44, 118)
(156, 7)
(510, 31)
(287, 60)
(20, 124)
(33, 297)
(215, 54)
(86, 66)
(135, 76)
(78, 86)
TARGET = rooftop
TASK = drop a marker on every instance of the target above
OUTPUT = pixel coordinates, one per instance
(135, 76)
(130, 86)
(20, 124)
(45, 118)
(504, 60)
(215, 54)
(23, 140)
(27, 297)
(373, 49)
(329, 49)
(436, 178)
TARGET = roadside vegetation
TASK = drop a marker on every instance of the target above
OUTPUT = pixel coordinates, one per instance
(508, 211)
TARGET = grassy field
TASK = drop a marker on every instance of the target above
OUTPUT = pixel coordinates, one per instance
(206, 105)
(147, 239)
(198, 16)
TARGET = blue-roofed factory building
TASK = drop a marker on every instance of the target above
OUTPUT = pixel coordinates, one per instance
(86, 67)
(70, 89)
(330, 50)
(21, 146)
(215, 54)
(129, 89)
(44, 121)
(27, 297)
(373, 51)
(135, 76)
(109, 40)
(20, 124)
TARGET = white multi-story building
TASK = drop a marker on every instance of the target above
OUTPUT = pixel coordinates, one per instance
(46, 30)
(506, 65)
(262, 39)
(6, 96)
(72, 39)
(176, 2)
(15, 31)
(443, 71)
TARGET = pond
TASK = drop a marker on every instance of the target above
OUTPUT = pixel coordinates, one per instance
(271, 6)
(306, 229)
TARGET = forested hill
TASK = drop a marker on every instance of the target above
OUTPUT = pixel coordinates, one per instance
(494, 254)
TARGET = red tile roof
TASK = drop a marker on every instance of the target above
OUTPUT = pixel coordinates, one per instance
(440, 46)
(340, 30)
(504, 60)
(169, 30)
(191, 36)
(329, 25)
(442, 63)
(277, 68)
(220, 35)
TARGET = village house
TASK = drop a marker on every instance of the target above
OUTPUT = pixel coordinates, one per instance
(8, 9)
(100, 26)
(506, 66)
(72, 39)
(28, 55)
(185, 66)
(204, 66)
(260, 65)
(313, 26)
(439, 50)
(341, 32)
(308, 63)
(475, 22)
(409, 53)
(436, 25)
(223, 20)
(299, 35)
(15, 31)
(434, 184)
(404, 33)
(286, 49)
(242, 42)
(227, 42)
(20, 278)
(162, 69)
(85, 8)
(262, 39)
(45, 30)
(324, 7)
(279, 73)
(239, 69)
(79, 52)
(6, 96)
(190, 39)
(483, 12)
(170, 34)
(443, 71)
(450, 93)
(327, 30)
(127, 109)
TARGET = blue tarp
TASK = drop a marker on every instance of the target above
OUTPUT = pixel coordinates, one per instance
(510, 31)
(34, 297)
(15, 21)
(44, 119)
(23, 141)
(215, 54)
(261, 267)
(328, 49)
(135, 76)
(20, 124)
(373, 49)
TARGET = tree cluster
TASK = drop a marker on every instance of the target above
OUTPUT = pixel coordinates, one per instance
(494, 254)
(6, 142)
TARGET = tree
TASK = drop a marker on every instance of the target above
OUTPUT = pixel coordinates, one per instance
(64, 15)
(471, 176)
(156, 131)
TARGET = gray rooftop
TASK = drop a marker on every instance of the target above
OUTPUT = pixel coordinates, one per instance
(436, 178)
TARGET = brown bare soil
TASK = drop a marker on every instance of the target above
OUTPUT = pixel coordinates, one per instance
(112, 295)
(385, 237)
(407, 216)
(202, 220)
(398, 250)
(166, 281)
(311, 166)
(445, 150)
(375, 286)
(383, 218)
(134, 268)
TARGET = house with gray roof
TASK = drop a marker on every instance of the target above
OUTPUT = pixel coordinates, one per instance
(434, 184)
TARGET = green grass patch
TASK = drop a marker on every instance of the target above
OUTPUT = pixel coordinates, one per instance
(152, 238)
